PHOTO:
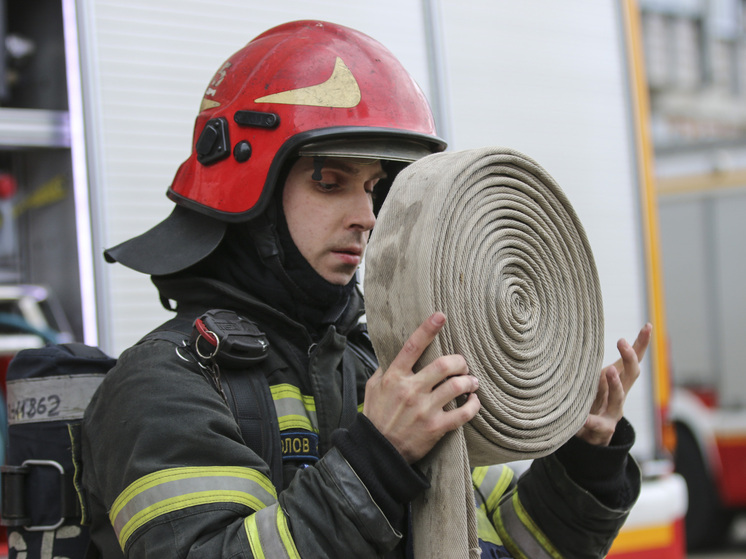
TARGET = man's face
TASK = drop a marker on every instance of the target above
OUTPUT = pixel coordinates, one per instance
(330, 219)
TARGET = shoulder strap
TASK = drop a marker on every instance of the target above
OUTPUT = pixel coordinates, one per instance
(362, 352)
(248, 395)
(250, 400)
(358, 341)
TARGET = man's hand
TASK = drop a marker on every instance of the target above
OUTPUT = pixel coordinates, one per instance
(407, 408)
(613, 387)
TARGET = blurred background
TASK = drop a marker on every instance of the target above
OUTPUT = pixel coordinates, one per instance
(695, 56)
(637, 108)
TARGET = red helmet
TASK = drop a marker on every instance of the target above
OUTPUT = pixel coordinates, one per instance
(304, 88)
(310, 84)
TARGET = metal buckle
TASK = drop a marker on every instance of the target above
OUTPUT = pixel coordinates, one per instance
(57, 466)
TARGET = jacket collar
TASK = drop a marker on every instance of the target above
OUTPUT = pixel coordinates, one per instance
(195, 295)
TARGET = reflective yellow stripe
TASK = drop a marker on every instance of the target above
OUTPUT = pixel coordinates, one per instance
(477, 475)
(269, 534)
(485, 529)
(521, 536)
(252, 533)
(501, 479)
(491, 482)
(287, 538)
(176, 489)
(294, 410)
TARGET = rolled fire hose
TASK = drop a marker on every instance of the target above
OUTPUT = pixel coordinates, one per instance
(489, 238)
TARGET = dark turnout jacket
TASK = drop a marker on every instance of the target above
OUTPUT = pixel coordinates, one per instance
(168, 473)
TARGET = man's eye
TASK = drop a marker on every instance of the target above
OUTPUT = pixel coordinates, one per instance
(371, 188)
(326, 185)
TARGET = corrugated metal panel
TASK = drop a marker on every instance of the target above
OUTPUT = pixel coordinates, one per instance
(152, 61)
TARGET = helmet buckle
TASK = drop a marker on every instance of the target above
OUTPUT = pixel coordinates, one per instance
(213, 143)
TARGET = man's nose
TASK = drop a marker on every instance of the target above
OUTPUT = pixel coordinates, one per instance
(360, 214)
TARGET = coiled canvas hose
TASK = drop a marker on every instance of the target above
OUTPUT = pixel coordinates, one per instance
(490, 239)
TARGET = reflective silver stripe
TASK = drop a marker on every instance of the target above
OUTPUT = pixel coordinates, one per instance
(61, 398)
(519, 533)
(477, 479)
(269, 536)
(177, 489)
(294, 410)
(496, 481)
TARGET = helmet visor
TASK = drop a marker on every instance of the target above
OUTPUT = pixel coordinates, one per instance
(405, 151)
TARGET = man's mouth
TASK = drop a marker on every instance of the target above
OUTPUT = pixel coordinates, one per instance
(354, 251)
(350, 255)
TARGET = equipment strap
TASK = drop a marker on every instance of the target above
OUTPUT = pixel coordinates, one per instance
(349, 392)
(240, 378)
(16, 493)
(250, 400)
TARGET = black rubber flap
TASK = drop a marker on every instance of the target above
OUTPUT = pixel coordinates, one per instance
(184, 238)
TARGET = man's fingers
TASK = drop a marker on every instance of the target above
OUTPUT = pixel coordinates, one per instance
(614, 384)
(615, 402)
(639, 347)
(453, 388)
(464, 413)
(418, 342)
(629, 363)
(603, 392)
(630, 368)
(443, 367)
(643, 340)
(454, 418)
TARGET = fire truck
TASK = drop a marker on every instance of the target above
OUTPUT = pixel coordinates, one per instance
(98, 99)
(702, 204)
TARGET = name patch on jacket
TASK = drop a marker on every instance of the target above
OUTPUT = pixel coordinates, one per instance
(300, 445)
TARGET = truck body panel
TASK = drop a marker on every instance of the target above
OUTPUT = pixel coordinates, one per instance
(702, 204)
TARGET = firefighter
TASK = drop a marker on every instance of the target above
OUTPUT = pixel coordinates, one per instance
(298, 137)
